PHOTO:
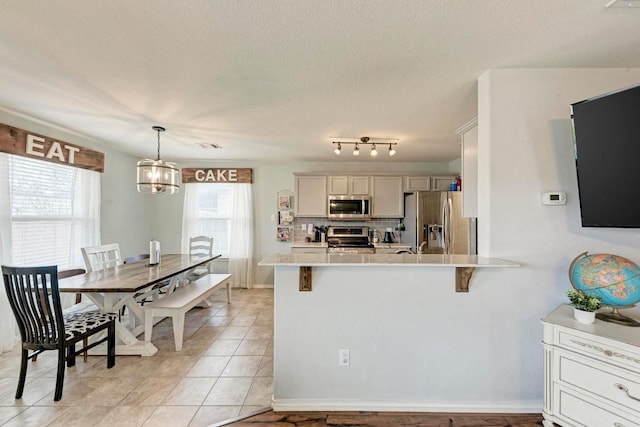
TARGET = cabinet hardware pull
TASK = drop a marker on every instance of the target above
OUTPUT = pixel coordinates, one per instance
(626, 390)
(618, 425)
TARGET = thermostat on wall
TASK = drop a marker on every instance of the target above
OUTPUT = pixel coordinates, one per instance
(554, 198)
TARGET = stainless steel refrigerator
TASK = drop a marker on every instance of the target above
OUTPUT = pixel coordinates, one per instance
(434, 224)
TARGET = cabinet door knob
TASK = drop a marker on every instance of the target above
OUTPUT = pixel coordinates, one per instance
(626, 390)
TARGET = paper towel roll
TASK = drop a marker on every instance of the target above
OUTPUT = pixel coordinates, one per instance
(154, 252)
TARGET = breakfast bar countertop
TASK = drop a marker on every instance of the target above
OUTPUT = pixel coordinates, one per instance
(386, 260)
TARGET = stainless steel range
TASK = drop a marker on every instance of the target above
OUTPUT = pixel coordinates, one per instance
(349, 239)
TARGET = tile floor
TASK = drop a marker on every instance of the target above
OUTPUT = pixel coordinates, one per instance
(225, 369)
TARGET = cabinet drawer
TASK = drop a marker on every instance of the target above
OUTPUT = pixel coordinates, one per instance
(579, 410)
(613, 352)
(616, 385)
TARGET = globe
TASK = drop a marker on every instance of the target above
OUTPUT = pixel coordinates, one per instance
(616, 280)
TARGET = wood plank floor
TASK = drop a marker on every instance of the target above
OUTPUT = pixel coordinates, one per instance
(388, 419)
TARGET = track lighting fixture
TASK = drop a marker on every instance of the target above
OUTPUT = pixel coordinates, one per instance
(365, 140)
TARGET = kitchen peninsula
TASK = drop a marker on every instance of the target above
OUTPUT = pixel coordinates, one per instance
(369, 332)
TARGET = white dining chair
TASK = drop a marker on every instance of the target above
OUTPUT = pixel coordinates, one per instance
(199, 245)
(98, 258)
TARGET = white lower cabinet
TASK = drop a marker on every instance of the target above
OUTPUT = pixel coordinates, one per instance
(381, 249)
(591, 379)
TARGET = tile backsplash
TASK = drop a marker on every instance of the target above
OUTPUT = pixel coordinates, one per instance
(379, 224)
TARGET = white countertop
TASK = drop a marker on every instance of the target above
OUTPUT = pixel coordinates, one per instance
(387, 260)
(324, 245)
(391, 245)
(309, 245)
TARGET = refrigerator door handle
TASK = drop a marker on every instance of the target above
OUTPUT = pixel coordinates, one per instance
(446, 219)
(445, 227)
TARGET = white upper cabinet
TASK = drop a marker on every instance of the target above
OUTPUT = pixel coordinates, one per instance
(387, 197)
(310, 196)
(441, 183)
(348, 185)
(417, 183)
(469, 174)
(359, 185)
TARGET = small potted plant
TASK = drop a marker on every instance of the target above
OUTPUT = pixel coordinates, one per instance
(584, 305)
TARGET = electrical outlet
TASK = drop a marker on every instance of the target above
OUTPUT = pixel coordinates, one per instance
(343, 357)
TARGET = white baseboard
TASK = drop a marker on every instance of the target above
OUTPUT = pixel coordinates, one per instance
(524, 406)
(262, 286)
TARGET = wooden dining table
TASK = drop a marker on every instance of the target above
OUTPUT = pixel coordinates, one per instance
(113, 288)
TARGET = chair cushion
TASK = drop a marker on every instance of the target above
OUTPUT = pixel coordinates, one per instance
(79, 323)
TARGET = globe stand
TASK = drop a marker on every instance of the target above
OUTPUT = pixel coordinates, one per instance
(616, 317)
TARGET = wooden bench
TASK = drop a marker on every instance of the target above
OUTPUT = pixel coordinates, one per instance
(183, 299)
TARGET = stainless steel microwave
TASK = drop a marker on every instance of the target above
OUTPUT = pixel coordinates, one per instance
(349, 207)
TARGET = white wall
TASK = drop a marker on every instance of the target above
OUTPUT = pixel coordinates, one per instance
(525, 147)
(132, 219)
(123, 211)
(429, 345)
(269, 178)
(415, 344)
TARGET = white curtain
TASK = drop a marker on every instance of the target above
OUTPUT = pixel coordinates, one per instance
(190, 218)
(86, 207)
(8, 332)
(84, 230)
(236, 215)
(242, 236)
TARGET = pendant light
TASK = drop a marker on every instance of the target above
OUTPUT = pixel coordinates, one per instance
(158, 176)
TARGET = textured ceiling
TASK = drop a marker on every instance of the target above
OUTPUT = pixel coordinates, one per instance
(274, 80)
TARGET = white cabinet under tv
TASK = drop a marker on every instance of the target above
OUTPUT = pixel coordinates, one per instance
(592, 372)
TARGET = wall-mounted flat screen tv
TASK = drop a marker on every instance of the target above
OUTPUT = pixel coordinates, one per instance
(606, 132)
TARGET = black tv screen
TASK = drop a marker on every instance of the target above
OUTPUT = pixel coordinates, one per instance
(606, 133)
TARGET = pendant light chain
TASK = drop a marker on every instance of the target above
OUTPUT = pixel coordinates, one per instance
(158, 158)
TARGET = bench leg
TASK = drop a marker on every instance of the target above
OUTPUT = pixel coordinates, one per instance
(228, 293)
(178, 329)
(148, 325)
(205, 304)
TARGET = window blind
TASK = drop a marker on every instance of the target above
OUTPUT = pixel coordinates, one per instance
(42, 213)
(214, 215)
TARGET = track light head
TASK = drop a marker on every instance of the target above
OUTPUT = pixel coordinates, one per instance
(374, 152)
(338, 149)
(392, 151)
(356, 150)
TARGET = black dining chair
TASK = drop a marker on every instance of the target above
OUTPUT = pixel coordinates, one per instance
(35, 301)
(63, 275)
